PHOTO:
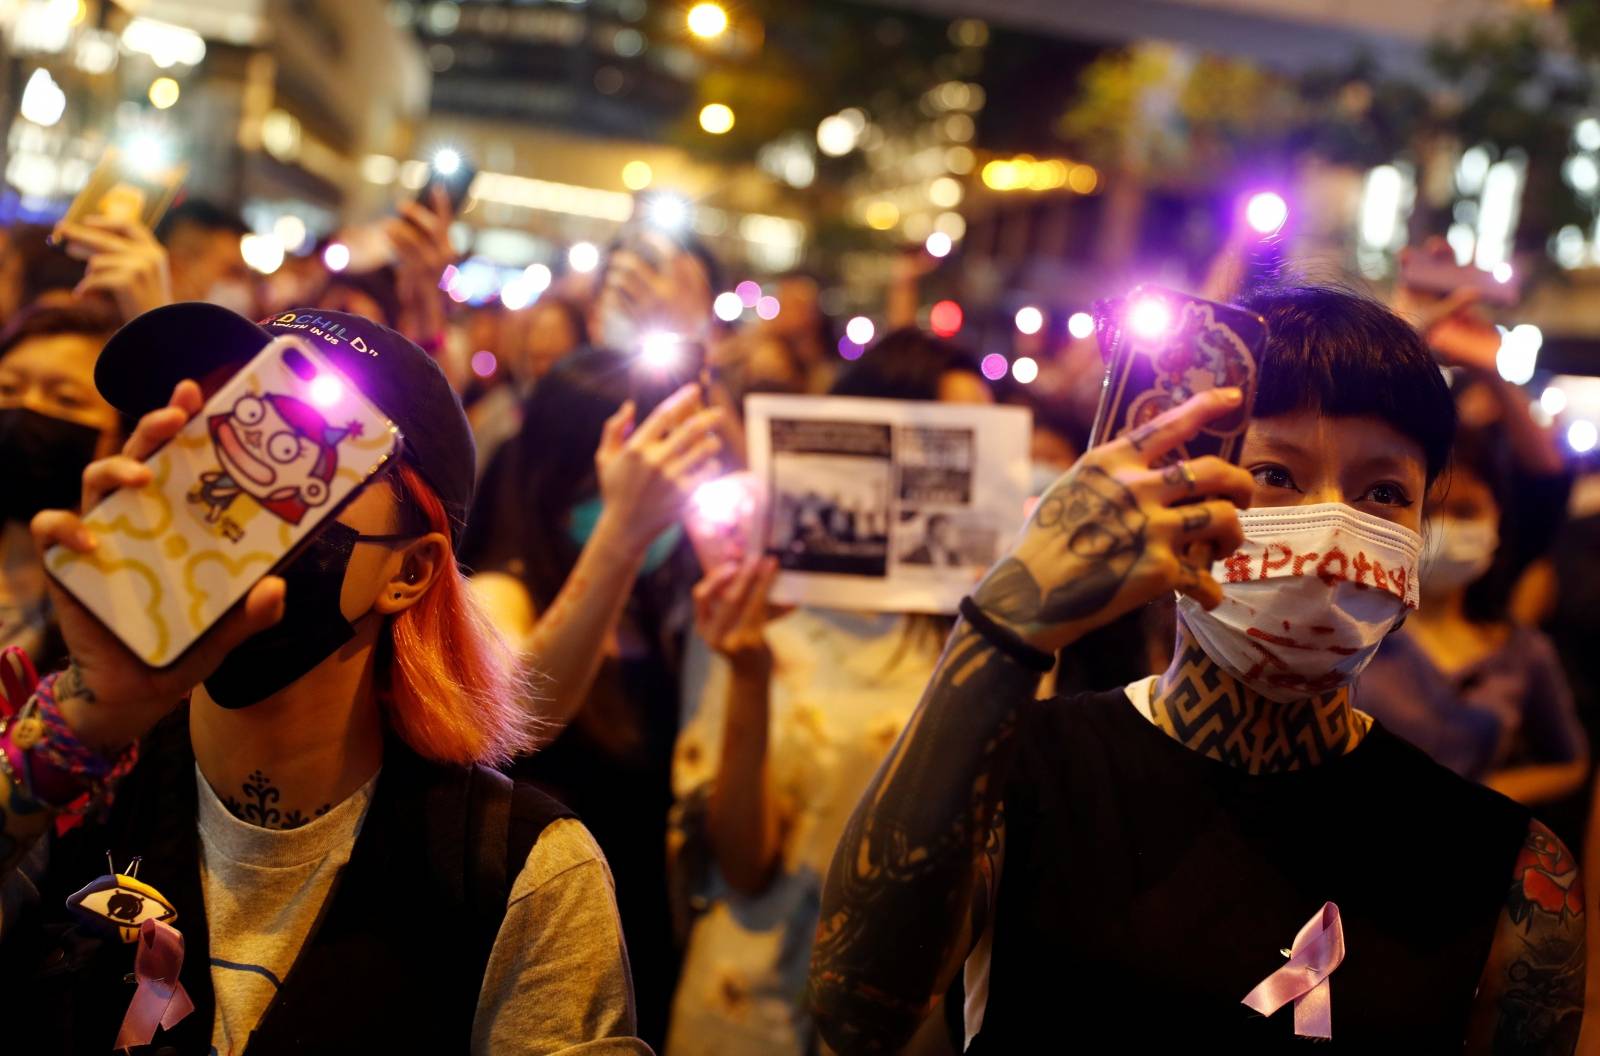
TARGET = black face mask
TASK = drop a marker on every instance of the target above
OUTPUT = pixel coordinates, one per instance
(44, 458)
(311, 629)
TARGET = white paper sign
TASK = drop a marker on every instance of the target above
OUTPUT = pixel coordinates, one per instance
(886, 505)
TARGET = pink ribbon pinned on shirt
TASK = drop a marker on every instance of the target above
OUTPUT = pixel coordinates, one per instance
(160, 999)
(1317, 951)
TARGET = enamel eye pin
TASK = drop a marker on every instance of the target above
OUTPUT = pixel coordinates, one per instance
(121, 901)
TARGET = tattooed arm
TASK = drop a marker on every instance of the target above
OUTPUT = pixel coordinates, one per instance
(1530, 1000)
(644, 476)
(913, 878)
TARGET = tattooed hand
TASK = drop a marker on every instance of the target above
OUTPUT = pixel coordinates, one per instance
(1106, 537)
(108, 695)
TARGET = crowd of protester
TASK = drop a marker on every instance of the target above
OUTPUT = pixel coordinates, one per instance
(736, 828)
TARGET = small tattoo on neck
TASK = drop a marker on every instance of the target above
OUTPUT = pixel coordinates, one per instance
(70, 685)
(260, 808)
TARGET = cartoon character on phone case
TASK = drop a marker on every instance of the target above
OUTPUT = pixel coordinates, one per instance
(1200, 354)
(275, 450)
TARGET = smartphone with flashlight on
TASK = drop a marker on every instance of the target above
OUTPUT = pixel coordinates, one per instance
(122, 188)
(275, 452)
(454, 172)
(1162, 347)
(1426, 272)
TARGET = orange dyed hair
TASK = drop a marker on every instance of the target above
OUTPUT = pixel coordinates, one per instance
(454, 693)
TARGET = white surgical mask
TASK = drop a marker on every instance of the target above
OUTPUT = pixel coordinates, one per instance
(1459, 552)
(1308, 598)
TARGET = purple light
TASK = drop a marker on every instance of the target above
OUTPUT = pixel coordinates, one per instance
(994, 366)
(767, 307)
(484, 363)
(749, 292)
(448, 278)
(336, 256)
(723, 503)
(1149, 317)
(326, 390)
(1266, 212)
(849, 349)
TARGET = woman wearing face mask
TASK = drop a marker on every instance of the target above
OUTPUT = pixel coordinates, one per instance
(53, 422)
(1226, 852)
(582, 563)
(1479, 694)
(309, 786)
(788, 723)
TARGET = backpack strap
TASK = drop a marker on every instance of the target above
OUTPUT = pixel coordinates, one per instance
(504, 820)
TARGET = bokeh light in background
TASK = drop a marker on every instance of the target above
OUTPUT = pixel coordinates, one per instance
(1266, 212)
(670, 212)
(938, 244)
(849, 349)
(636, 175)
(994, 366)
(716, 118)
(707, 20)
(860, 330)
(1553, 400)
(291, 231)
(583, 257)
(1503, 272)
(767, 307)
(336, 256)
(749, 292)
(945, 319)
(1030, 320)
(525, 288)
(264, 253)
(43, 101)
(1080, 325)
(484, 363)
(727, 306)
(1518, 357)
(164, 92)
(1582, 436)
(1025, 370)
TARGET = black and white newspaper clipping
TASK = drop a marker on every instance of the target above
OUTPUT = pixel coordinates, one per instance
(888, 505)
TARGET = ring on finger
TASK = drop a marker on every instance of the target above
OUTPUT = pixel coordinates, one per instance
(1188, 476)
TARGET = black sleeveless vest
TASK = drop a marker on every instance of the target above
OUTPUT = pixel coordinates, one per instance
(393, 964)
(1147, 889)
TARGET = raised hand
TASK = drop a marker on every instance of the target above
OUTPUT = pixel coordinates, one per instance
(420, 236)
(125, 262)
(1107, 537)
(646, 474)
(108, 695)
(731, 612)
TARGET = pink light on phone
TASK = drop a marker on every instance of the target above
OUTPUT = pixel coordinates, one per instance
(1266, 212)
(326, 390)
(484, 363)
(723, 503)
(994, 366)
(1149, 317)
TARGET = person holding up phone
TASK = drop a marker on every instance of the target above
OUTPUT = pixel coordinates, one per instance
(1176, 861)
(309, 786)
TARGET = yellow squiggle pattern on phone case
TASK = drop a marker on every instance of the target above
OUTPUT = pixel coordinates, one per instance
(233, 566)
(67, 558)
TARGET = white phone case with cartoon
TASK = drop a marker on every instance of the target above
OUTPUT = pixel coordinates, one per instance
(272, 455)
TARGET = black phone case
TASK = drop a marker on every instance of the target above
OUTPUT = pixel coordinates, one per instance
(1206, 345)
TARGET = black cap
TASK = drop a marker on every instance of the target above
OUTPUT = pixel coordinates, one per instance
(144, 360)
